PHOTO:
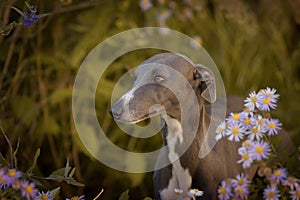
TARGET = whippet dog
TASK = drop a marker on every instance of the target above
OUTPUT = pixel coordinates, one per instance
(150, 95)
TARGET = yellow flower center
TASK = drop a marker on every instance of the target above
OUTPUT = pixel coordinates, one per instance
(267, 101)
(255, 130)
(12, 173)
(74, 198)
(196, 190)
(259, 149)
(222, 191)
(245, 144)
(239, 190)
(220, 130)
(253, 99)
(298, 193)
(235, 131)
(292, 180)
(261, 122)
(241, 181)
(271, 194)
(28, 189)
(277, 173)
(17, 184)
(272, 125)
(235, 116)
(44, 197)
(247, 121)
(245, 156)
(145, 3)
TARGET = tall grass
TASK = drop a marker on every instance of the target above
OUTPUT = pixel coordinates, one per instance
(253, 44)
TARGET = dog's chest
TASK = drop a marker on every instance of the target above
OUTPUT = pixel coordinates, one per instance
(181, 178)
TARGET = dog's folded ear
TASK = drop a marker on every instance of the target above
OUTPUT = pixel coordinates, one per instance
(207, 83)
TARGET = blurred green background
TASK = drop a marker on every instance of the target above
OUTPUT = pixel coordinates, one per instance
(254, 44)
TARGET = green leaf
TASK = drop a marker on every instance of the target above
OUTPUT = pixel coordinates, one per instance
(124, 195)
(24, 107)
(50, 124)
(72, 172)
(7, 29)
(17, 10)
(55, 192)
(67, 169)
(148, 198)
(36, 156)
(60, 95)
(58, 175)
(72, 181)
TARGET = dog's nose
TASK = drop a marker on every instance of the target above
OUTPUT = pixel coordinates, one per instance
(116, 110)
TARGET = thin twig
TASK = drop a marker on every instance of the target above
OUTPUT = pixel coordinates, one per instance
(98, 195)
(9, 144)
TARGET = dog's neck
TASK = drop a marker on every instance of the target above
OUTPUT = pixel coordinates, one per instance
(192, 123)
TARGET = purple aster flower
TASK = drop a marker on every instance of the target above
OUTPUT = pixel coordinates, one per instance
(245, 157)
(260, 122)
(164, 15)
(77, 198)
(16, 184)
(145, 4)
(241, 191)
(3, 179)
(234, 118)
(240, 180)
(246, 120)
(295, 194)
(44, 196)
(271, 93)
(273, 126)
(255, 133)
(260, 150)
(224, 191)
(269, 99)
(28, 190)
(235, 132)
(221, 130)
(254, 100)
(292, 182)
(13, 175)
(279, 175)
(29, 19)
(271, 193)
(195, 193)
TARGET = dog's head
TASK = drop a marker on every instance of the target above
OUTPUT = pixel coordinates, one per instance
(158, 82)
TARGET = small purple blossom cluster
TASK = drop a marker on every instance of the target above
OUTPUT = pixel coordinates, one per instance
(29, 19)
(12, 179)
(254, 127)
(279, 178)
(237, 188)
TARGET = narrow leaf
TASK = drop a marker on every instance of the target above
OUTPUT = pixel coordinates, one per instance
(67, 169)
(124, 195)
(72, 172)
(55, 192)
(72, 181)
(36, 156)
(19, 11)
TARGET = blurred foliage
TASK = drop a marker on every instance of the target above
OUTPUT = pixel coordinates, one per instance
(254, 43)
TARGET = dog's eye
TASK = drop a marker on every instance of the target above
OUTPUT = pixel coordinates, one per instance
(158, 79)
